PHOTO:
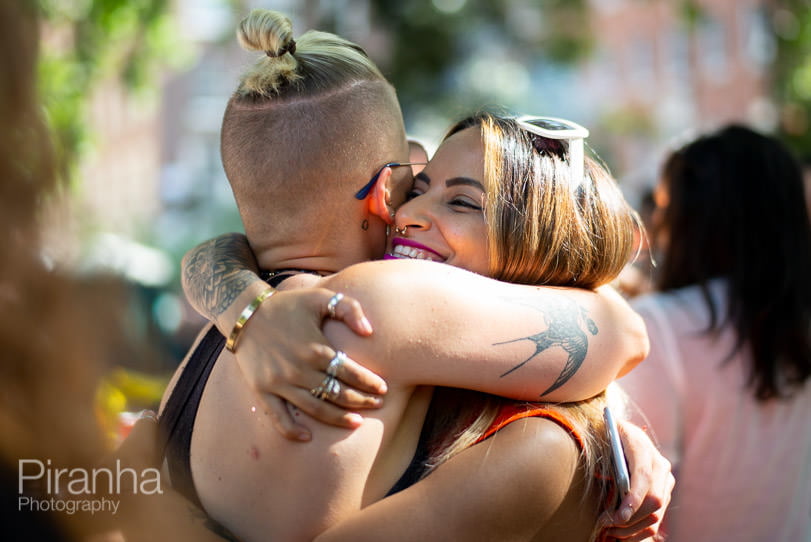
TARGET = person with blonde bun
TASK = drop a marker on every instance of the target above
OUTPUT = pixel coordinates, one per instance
(300, 138)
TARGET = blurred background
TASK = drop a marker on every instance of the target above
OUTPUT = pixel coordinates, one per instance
(135, 90)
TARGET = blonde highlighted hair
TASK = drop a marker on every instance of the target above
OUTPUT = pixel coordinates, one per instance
(543, 228)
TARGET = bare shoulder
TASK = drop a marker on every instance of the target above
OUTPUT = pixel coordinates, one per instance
(531, 469)
(541, 462)
(537, 454)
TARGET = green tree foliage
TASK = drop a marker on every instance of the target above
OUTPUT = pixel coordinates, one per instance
(85, 41)
(437, 40)
(791, 23)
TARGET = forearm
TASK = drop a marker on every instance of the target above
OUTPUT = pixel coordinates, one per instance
(437, 325)
(218, 275)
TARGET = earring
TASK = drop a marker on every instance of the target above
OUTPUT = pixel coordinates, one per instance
(388, 230)
(364, 225)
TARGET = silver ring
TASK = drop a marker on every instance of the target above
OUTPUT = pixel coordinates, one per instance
(333, 389)
(333, 302)
(321, 390)
(317, 391)
(335, 364)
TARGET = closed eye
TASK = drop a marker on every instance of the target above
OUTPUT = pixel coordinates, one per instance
(465, 203)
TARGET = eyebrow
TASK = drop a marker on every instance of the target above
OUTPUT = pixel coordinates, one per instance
(455, 181)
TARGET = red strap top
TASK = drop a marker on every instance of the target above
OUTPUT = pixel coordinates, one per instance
(515, 411)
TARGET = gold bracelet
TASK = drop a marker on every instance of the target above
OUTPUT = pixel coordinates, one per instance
(245, 315)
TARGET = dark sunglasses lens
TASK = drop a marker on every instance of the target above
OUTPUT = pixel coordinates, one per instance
(549, 124)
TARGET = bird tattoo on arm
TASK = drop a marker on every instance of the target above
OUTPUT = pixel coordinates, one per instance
(565, 321)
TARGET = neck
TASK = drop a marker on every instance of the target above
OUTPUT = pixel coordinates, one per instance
(325, 256)
(325, 263)
(313, 264)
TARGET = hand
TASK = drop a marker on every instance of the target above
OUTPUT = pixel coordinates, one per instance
(284, 354)
(139, 450)
(641, 512)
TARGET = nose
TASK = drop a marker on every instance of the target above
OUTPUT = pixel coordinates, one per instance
(414, 215)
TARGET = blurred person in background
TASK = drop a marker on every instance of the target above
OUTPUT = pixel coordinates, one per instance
(59, 335)
(52, 348)
(725, 387)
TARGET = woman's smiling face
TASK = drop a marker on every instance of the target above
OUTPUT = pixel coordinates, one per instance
(444, 211)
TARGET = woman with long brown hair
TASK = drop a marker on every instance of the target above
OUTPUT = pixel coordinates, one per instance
(725, 387)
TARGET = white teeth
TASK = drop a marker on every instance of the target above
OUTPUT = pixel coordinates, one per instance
(402, 251)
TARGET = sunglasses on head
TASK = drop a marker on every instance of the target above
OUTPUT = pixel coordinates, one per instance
(363, 192)
(564, 130)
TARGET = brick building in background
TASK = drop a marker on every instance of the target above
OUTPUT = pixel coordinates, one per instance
(657, 73)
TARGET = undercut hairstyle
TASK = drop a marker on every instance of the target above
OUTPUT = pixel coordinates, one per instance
(311, 116)
(736, 210)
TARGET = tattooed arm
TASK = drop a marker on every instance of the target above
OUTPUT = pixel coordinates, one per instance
(440, 325)
(559, 344)
(220, 279)
(216, 274)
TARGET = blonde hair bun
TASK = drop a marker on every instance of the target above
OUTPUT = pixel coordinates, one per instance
(267, 31)
(272, 33)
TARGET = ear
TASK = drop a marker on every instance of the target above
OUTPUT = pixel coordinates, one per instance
(380, 197)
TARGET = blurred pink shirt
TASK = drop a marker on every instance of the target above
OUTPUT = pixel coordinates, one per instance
(743, 468)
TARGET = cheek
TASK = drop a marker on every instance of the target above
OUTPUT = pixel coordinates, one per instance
(471, 248)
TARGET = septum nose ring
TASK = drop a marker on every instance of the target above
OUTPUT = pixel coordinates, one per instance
(401, 231)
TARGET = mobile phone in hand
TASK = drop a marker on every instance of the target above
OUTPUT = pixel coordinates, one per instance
(618, 465)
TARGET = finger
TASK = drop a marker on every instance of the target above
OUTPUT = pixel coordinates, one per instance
(340, 393)
(355, 375)
(631, 534)
(352, 399)
(647, 470)
(349, 311)
(139, 449)
(325, 411)
(625, 531)
(659, 515)
(283, 421)
(658, 488)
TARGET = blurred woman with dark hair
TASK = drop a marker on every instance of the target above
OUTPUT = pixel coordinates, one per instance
(725, 386)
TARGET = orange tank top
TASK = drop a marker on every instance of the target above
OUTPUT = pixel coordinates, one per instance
(516, 411)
